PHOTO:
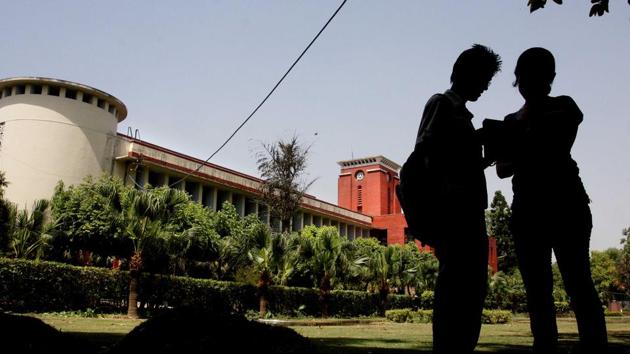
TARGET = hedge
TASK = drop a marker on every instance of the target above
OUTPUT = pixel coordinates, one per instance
(496, 316)
(426, 316)
(50, 286)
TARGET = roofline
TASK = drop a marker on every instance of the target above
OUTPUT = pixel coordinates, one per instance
(371, 160)
(121, 109)
(199, 174)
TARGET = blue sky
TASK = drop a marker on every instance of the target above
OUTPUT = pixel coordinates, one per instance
(190, 73)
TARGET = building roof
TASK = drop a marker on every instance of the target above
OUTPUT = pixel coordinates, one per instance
(121, 109)
(183, 164)
(367, 161)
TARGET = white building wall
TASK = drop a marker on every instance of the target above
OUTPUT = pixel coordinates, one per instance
(50, 138)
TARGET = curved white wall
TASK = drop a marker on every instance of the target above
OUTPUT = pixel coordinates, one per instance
(49, 138)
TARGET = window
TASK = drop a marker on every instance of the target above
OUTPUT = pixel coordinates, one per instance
(1, 133)
(87, 98)
(100, 103)
(155, 179)
(53, 90)
(20, 89)
(36, 89)
(111, 109)
(7, 91)
(72, 94)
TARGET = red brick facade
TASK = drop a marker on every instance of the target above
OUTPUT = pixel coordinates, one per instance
(368, 185)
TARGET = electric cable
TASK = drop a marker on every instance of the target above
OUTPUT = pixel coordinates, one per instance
(264, 100)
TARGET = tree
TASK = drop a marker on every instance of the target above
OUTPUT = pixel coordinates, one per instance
(364, 248)
(5, 210)
(274, 263)
(3, 183)
(605, 272)
(282, 166)
(624, 263)
(145, 214)
(86, 219)
(598, 9)
(236, 237)
(419, 269)
(506, 291)
(324, 253)
(497, 220)
(385, 267)
(28, 234)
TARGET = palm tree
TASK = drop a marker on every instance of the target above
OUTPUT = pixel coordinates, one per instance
(146, 218)
(3, 183)
(324, 253)
(385, 268)
(274, 264)
(5, 214)
(28, 231)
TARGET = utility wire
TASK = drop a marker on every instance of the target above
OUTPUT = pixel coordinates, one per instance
(266, 97)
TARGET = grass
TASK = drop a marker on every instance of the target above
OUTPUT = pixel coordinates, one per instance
(376, 338)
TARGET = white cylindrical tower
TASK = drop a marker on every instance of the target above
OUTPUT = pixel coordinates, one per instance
(52, 130)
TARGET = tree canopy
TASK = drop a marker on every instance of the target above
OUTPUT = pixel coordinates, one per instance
(498, 220)
(599, 7)
(282, 166)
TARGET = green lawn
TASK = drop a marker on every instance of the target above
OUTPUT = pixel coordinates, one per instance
(376, 338)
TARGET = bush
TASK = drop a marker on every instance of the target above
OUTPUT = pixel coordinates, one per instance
(496, 316)
(399, 316)
(403, 302)
(49, 286)
(422, 316)
(562, 307)
(409, 315)
(613, 313)
(168, 291)
(426, 299)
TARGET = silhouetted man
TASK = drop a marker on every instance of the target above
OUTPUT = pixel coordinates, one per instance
(451, 152)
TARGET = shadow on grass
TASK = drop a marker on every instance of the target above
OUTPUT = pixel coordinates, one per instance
(354, 345)
(620, 344)
(96, 342)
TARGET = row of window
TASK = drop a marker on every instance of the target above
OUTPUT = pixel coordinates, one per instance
(56, 91)
(214, 197)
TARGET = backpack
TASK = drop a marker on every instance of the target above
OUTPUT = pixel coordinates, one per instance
(419, 199)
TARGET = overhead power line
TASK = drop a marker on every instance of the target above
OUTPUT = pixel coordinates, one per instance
(265, 99)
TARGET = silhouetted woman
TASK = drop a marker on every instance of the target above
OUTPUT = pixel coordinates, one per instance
(550, 209)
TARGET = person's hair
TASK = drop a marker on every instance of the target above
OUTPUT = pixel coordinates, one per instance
(536, 63)
(474, 61)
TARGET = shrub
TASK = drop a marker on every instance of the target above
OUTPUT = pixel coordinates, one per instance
(409, 315)
(496, 316)
(49, 286)
(403, 302)
(399, 316)
(562, 307)
(422, 316)
(608, 313)
(426, 299)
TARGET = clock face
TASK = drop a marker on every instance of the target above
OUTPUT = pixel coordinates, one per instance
(359, 175)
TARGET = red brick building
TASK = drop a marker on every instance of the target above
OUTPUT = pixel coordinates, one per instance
(368, 185)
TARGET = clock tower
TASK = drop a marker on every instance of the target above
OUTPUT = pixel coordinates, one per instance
(368, 185)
